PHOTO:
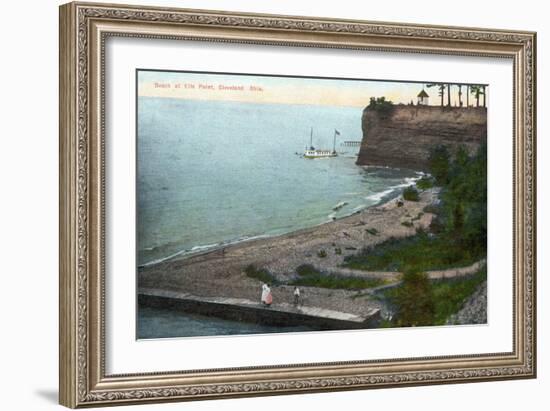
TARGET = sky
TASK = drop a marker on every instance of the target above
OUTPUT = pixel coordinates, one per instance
(281, 90)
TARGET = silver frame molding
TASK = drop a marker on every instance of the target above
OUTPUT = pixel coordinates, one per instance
(84, 27)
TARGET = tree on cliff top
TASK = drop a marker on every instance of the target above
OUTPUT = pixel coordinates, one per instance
(478, 91)
(381, 105)
(460, 94)
(441, 88)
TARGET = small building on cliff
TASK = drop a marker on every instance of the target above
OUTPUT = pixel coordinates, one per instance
(423, 99)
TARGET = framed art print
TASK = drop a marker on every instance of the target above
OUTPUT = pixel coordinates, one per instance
(258, 204)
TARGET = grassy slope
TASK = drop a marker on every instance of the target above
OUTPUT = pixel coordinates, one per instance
(309, 276)
(421, 250)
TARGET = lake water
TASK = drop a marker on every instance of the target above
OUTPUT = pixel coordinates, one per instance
(168, 323)
(210, 173)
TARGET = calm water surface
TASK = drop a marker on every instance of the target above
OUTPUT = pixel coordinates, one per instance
(165, 323)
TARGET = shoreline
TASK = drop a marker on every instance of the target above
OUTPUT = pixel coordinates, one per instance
(207, 249)
(220, 272)
(380, 198)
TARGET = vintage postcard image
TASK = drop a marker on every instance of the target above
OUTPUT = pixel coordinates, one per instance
(270, 204)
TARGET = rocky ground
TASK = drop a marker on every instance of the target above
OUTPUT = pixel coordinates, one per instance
(474, 310)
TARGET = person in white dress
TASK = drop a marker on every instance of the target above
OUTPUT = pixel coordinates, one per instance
(265, 289)
(267, 298)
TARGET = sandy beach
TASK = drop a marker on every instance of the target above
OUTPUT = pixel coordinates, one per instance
(220, 272)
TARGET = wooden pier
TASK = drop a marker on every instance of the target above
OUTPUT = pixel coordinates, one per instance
(351, 143)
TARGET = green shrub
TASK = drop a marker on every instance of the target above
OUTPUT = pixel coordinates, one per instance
(381, 105)
(262, 274)
(425, 183)
(410, 194)
(407, 224)
(440, 164)
(305, 270)
(372, 231)
(311, 277)
(414, 300)
(321, 253)
(432, 209)
(338, 251)
(418, 216)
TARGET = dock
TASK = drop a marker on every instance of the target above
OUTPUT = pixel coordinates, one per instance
(240, 309)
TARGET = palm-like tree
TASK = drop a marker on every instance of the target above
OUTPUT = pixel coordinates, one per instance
(441, 88)
(476, 91)
(460, 94)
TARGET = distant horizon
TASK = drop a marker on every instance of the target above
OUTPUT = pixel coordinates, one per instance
(290, 90)
(472, 106)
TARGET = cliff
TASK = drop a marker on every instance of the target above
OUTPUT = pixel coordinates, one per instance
(404, 136)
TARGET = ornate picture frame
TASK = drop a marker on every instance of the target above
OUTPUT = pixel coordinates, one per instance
(84, 30)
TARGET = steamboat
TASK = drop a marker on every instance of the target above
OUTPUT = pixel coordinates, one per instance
(312, 153)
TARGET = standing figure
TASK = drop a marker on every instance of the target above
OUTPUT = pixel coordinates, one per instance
(267, 298)
(264, 293)
(296, 296)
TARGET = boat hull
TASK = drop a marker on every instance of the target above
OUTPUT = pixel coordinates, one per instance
(313, 155)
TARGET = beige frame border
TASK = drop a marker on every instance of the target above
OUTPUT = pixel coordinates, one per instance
(83, 30)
